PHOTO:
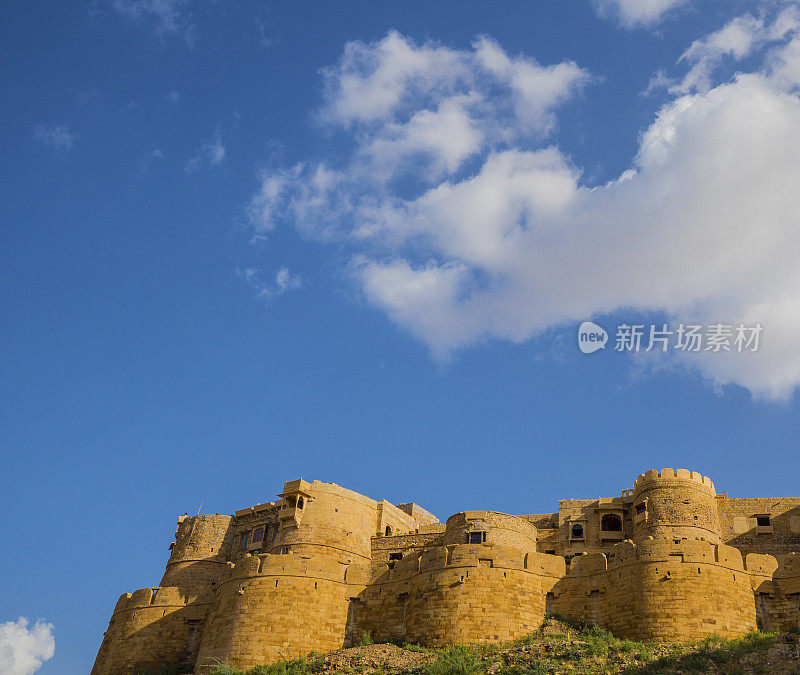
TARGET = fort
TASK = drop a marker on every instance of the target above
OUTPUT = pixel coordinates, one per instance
(668, 560)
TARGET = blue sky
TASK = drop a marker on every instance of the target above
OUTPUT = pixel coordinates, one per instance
(353, 242)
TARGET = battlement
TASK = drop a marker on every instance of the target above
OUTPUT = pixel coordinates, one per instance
(671, 475)
(314, 570)
(285, 565)
(169, 596)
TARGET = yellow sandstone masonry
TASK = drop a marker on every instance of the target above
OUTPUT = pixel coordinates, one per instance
(667, 560)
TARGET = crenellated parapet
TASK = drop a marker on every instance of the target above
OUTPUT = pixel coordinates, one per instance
(271, 606)
(660, 590)
(674, 504)
(459, 593)
(153, 627)
(668, 560)
(651, 475)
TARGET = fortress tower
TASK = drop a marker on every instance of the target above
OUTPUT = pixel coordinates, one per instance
(675, 504)
(666, 560)
(199, 553)
(299, 595)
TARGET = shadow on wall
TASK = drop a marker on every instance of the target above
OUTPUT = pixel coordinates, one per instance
(152, 627)
(758, 531)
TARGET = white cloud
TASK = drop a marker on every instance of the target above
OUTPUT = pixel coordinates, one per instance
(423, 111)
(741, 37)
(56, 136)
(636, 13)
(282, 282)
(23, 648)
(211, 153)
(428, 105)
(703, 227)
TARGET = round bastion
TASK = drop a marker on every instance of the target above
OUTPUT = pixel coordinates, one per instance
(675, 504)
(490, 527)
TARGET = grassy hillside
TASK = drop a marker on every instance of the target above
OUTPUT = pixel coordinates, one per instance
(557, 647)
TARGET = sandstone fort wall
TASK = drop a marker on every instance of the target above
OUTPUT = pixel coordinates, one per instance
(667, 560)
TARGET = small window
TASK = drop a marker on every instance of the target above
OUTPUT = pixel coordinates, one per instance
(641, 508)
(258, 535)
(476, 537)
(291, 502)
(299, 502)
(284, 550)
(550, 551)
(243, 541)
(395, 556)
(763, 521)
(388, 530)
(611, 522)
(577, 531)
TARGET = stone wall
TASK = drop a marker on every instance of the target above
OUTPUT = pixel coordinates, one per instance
(660, 590)
(335, 522)
(777, 590)
(152, 627)
(739, 522)
(201, 549)
(322, 565)
(460, 593)
(677, 503)
(270, 607)
(496, 528)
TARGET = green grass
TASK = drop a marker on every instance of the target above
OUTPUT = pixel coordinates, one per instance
(713, 651)
(301, 666)
(580, 648)
(414, 648)
(459, 660)
(366, 639)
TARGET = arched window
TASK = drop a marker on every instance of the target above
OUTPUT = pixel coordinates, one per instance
(388, 531)
(611, 522)
(258, 535)
(299, 502)
(577, 531)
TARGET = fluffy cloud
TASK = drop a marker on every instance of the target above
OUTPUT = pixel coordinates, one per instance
(23, 648)
(56, 136)
(496, 236)
(427, 104)
(739, 38)
(635, 13)
(422, 112)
